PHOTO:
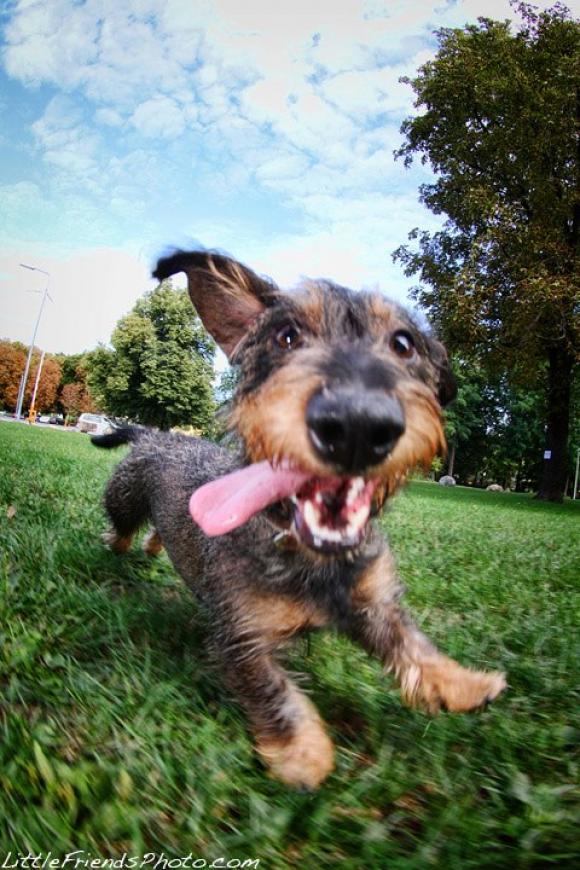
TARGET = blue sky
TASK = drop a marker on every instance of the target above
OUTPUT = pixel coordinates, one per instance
(130, 125)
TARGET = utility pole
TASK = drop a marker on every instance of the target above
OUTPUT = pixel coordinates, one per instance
(37, 381)
(45, 293)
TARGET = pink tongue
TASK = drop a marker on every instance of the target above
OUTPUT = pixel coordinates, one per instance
(230, 501)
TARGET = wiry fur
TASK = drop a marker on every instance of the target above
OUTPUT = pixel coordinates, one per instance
(258, 594)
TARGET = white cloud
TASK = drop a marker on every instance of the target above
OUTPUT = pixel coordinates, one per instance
(110, 117)
(159, 117)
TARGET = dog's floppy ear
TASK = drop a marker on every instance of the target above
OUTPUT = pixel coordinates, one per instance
(446, 383)
(227, 295)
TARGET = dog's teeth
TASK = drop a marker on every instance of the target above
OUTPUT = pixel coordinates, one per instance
(359, 518)
(310, 514)
(355, 489)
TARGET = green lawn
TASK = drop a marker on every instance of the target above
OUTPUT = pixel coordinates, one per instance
(116, 735)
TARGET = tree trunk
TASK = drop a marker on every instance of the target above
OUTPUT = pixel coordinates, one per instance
(451, 461)
(555, 469)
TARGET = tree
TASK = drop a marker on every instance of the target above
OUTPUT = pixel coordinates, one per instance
(464, 418)
(159, 368)
(74, 395)
(226, 385)
(48, 384)
(12, 362)
(493, 429)
(75, 399)
(500, 279)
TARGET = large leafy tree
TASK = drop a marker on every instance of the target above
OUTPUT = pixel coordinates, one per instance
(498, 123)
(159, 368)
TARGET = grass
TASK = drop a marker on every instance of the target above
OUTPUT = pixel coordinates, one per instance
(116, 735)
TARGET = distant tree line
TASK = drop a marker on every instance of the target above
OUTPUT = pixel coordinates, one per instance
(495, 430)
(62, 386)
(158, 369)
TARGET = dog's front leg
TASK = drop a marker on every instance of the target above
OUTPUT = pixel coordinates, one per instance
(290, 736)
(427, 677)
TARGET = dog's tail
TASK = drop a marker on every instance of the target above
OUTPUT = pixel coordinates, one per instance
(118, 436)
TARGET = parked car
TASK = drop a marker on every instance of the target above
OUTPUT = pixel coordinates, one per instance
(96, 424)
(56, 420)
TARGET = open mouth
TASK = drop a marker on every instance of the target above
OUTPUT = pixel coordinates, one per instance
(330, 514)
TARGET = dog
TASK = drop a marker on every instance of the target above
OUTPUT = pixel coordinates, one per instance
(339, 397)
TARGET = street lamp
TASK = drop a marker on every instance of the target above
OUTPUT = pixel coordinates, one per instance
(45, 293)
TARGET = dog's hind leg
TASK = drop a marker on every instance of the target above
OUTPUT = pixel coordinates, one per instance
(126, 505)
(152, 543)
(117, 543)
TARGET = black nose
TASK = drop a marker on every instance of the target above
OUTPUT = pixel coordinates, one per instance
(354, 429)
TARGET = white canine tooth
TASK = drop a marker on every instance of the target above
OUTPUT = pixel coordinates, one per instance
(359, 518)
(355, 489)
(310, 514)
(318, 497)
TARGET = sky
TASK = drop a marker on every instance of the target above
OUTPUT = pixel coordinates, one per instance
(264, 130)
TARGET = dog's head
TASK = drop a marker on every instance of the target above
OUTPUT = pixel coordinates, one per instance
(339, 396)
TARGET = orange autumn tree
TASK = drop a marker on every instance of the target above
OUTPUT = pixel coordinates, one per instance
(46, 395)
(12, 362)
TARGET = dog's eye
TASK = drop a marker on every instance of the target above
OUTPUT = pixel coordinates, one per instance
(289, 337)
(402, 344)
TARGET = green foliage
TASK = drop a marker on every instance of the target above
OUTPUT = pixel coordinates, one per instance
(495, 427)
(118, 735)
(159, 368)
(464, 417)
(69, 365)
(226, 385)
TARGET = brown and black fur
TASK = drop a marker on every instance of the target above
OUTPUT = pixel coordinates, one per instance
(258, 592)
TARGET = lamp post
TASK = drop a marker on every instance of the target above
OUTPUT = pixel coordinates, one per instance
(36, 383)
(45, 293)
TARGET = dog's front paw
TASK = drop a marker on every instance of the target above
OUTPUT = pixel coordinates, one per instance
(443, 684)
(302, 760)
